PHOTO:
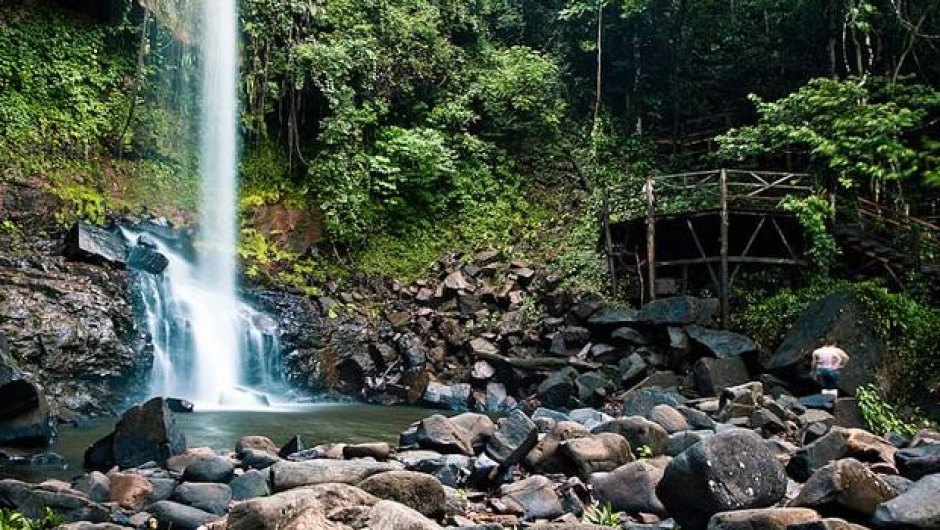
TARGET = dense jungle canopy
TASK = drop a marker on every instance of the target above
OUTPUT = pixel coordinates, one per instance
(399, 130)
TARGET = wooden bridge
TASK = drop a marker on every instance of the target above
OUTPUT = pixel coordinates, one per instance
(878, 239)
(719, 221)
(724, 220)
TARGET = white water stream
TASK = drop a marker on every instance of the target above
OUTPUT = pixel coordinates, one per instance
(210, 347)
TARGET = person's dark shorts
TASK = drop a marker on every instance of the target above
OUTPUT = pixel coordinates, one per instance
(828, 378)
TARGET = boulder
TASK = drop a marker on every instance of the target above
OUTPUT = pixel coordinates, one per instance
(597, 452)
(209, 468)
(630, 488)
(720, 344)
(627, 336)
(592, 388)
(294, 445)
(732, 470)
(144, 433)
(96, 245)
(276, 511)
(440, 434)
(678, 310)
(130, 490)
(918, 462)
(376, 450)
(179, 516)
(544, 457)
(640, 402)
(763, 518)
(447, 397)
(450, 470)
(846, 485)
(712, 375)
(258, 459)
(632, 370)
(610, 318)
(417, 491)
(479, 427)
(250, 484)
(639, 432)
(212, 498)
(390, 515)
(669, 418)
(916, 508)
(146, 259)
(534, 498)
(557, 389)
(287, 475)
(260, 443)
(32, 500)
(837, 317)
(95, 485)
(515, 436)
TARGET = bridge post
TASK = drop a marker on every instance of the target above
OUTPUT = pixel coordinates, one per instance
(724, 287)
(611, 261)
(650, 238)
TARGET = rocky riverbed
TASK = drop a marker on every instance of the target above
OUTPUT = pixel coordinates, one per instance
(743, 460)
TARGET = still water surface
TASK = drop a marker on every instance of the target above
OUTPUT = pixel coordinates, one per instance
(221, 429)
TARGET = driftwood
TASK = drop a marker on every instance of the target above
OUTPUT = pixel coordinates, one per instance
(537, 363)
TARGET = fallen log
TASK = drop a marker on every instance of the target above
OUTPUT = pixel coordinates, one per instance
(537, 363)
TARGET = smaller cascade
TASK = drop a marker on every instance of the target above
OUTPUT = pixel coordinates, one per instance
(182, 320)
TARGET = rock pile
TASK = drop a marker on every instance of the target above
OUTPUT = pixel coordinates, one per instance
(486, 335)
(745, 460)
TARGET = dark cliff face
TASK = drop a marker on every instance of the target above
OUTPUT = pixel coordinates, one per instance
(68, 324)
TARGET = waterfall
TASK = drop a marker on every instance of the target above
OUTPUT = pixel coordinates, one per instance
(182, 315)
(216, 340)
(209, 346)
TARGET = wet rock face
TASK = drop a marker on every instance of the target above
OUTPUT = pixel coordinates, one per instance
(24, 414)
(836, 317)
(70, 325)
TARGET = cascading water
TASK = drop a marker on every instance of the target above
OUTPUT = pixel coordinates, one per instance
(209, 346)
(182, 314)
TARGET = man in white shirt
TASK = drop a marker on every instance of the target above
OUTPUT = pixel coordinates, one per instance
(828, 361)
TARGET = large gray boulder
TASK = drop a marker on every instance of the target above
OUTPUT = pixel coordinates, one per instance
(917, 462)
(916, 508)
(720, 343)
(534, 497)
(212, 498)
(144, 433)
(678, 310)
(712, 375)
(837, 317)
(630, 488)
(732, 470)
(96, 245)
(515, 436)
(180, 516)
(278, 511)
(417, 491)
(845, 486)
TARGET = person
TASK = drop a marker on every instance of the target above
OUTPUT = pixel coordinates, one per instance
(828, 361)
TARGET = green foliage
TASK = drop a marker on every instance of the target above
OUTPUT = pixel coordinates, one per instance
(61, 87)
(881, 417)
(856, 132)
(82, 202)
(643, 452)
(767, 317)
(908, 331)
(13, 520)
(601, 514)
(500, 225)
(813, 213)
